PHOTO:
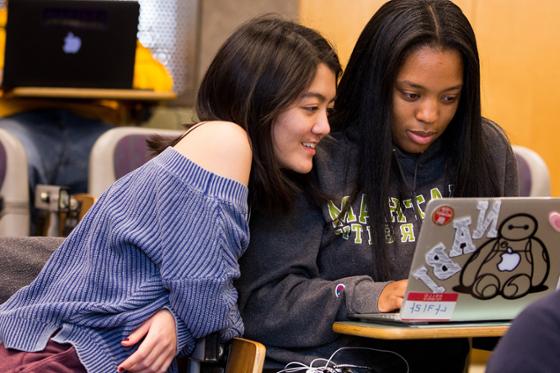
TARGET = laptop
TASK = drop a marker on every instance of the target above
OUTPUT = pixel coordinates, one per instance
(480, 259)
(70, 43)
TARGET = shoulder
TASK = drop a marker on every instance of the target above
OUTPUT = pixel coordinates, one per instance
(220, 147)
(334, 145)
(538, 317)
(335, 164)
(493, 134)
(496, 140)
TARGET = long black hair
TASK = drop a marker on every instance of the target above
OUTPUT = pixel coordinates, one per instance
(260, 70)
(364, 100)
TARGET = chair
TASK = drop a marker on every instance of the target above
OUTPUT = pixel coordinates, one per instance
(239, 356)
(114, 154)
(23, 258)
(117, 152)
(245, 356)
(14, 187)
(534, 177)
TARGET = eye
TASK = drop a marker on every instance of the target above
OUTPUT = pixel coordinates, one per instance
(410, 96)
(330, 110)
(311, 109)
(449, 99)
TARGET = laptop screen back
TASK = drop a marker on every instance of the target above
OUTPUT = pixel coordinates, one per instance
(483, 259)
(70, 43)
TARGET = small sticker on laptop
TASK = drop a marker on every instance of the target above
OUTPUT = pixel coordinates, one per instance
(554, 219)
(429, 306)
(442, 215)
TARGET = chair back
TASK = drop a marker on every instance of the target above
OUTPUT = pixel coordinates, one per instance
(534, 177)
(22, 260)
(119, 151)
(245, 356)
(14, 187)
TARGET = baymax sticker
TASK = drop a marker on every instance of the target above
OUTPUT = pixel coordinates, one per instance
(512, 265)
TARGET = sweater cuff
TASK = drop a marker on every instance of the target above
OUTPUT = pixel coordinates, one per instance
(363, 296)
(185, 341)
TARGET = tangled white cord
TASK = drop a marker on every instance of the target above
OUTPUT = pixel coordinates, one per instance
(330, 367)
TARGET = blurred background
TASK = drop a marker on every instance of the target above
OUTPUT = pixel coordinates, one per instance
(519, 46)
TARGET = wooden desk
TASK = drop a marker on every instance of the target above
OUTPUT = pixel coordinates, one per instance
(398, 332)
(89, 93)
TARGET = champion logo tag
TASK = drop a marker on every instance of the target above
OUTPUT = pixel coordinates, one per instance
(339, 289)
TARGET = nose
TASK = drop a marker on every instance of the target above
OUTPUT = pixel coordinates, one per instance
(322, 126)
(428, 111)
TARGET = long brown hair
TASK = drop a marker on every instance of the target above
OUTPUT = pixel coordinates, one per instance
(260, 70)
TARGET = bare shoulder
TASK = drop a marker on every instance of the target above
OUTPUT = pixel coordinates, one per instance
(219, 147)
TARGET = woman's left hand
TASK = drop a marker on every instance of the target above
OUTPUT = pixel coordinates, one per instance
(157, 350)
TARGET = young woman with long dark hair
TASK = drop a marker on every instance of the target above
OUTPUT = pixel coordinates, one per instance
(408, 129)
(150, 268)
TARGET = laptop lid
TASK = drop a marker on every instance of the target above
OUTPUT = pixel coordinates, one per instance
(70, 43)
(482, 259)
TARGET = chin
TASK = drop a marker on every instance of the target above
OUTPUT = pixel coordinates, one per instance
(302, 169)
(300, 165)
(305, 170)
(416, 149)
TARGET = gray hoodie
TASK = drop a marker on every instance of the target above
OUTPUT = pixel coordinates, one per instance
(305, 270)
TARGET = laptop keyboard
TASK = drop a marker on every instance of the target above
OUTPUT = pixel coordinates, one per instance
(389, 315)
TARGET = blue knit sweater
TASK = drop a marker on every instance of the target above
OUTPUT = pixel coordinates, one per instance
(167, 235)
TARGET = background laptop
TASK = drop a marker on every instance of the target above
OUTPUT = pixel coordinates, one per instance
(481, 260)
(70, 43)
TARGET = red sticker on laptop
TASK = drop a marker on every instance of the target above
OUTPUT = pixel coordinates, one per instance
(443, 215)
(429, 306)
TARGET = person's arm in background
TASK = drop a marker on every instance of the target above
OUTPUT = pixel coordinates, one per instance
(283, 301)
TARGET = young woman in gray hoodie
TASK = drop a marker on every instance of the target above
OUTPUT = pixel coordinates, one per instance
(408, 129)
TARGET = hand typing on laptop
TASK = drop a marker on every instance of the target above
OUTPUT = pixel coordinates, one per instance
(392, 296)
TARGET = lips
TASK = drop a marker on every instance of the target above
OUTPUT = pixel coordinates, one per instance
(310, 147)
(421, 137)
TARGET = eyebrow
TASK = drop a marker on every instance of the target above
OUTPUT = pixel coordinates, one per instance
(418, 86)
(315, 95)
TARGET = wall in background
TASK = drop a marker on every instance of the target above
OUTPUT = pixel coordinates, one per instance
(169, 28)
(519, 46)
(217, 20)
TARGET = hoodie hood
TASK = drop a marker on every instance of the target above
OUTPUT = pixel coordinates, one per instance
(419, 170)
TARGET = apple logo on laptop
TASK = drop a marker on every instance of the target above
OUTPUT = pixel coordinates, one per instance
(72, 44)
(510, 260)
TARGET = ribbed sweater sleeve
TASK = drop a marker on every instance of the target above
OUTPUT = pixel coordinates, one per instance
(195, 235)
(167, 235)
